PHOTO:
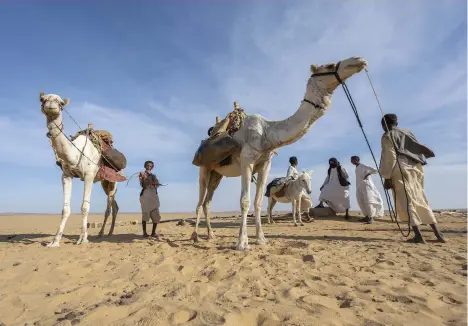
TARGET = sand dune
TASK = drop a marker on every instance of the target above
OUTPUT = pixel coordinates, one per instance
(330, 272)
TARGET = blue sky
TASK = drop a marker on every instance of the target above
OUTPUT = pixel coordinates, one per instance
(156, 74)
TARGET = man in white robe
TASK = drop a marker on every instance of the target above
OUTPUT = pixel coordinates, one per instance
(367, 195)
(335, 189)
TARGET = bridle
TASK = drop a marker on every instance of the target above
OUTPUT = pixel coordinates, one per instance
(334, 73)
(51, 118)
(330, 73)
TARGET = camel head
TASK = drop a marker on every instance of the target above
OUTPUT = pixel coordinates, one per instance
(304, 180)
(327, 75)
(52, 105)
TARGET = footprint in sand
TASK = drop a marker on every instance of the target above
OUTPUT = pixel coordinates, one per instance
(183, 316)
(450, 300)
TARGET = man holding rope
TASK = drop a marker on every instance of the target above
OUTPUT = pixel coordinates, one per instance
(401, 165)
(149, 198)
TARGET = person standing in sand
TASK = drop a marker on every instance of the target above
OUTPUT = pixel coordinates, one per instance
(335, 189)
(149, 198)
(367, 195)
(401, 165)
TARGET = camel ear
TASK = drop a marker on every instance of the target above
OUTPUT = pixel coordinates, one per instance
(217, 119)
(65, 101)
(41, 96)
(310, 172)
(313, 69)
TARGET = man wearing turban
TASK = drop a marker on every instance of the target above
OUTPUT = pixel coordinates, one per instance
(401, 165)
(335, 189)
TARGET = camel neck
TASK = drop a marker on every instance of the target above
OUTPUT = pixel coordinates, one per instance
(60, 143)
(288, 131)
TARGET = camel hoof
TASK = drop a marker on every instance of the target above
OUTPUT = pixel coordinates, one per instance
(211, 236)
(295, 224)
(242, 247)
(82, 241)
(194, 237)
(263, 242)
(101, 234)
(53, 245)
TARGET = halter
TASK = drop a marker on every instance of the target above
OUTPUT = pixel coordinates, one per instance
(334, 73)
(52, 118)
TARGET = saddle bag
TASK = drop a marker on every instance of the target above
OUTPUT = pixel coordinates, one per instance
(214, 150)
(114, 159)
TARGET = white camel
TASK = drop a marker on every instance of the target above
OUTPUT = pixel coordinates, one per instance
(259, 137)
(292, 192)
(79, 158)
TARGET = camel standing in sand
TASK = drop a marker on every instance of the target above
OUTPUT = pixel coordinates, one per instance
(291, 193)
(79, 158)
(259, 137)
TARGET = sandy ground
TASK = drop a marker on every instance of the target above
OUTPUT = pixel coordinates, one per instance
(329, 272)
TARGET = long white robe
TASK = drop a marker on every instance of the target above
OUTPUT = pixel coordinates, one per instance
(409, 195)
(367, 195)
(334, 194)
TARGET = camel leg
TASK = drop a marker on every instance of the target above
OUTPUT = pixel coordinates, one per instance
(247, 169)
(271, 204)
(203, 179)
(67, 191)
(115, 207)
(259, 191)
(105, 185)
(115, 211)
(213, 183)
(88, 187)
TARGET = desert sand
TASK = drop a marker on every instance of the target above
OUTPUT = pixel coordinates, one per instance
(330, 272)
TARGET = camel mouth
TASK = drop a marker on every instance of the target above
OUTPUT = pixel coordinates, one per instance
(359, 66)
(51, 113)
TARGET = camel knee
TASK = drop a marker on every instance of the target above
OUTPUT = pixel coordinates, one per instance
(85, 208)
(115, 206)
(206, 207)
(66, 211)
(245, 203)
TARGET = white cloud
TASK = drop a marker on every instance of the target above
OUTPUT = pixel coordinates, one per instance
(137, 135)
(265, 68)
